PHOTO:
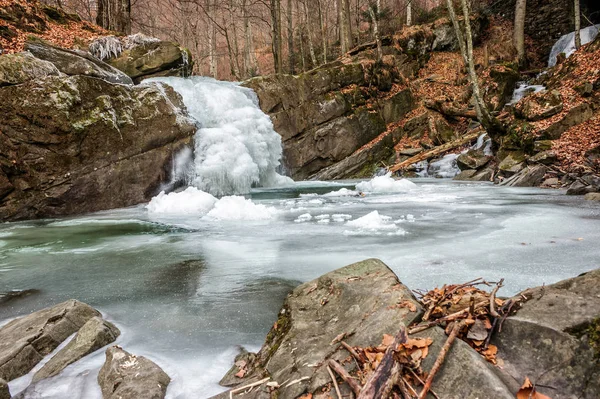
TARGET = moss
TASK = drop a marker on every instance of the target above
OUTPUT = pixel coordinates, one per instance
(278, 331)
(593, 333)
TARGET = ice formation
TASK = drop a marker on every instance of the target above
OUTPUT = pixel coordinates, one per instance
(386, 184)
(236, 147)
(239, 208)
(189, 202)
(566, 44)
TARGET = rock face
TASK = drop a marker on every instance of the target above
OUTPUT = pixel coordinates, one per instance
(26, 340)
(4, 391)
(76, 62)
(21, 67)
(79, 144)
(550, 336)
(126, 376)
(361, 302)
(141, 57)
(94, 334)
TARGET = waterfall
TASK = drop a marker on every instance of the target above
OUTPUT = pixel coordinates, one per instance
(236, 147)
(566, 44)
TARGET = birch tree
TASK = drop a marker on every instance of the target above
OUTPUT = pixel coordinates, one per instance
(577, 25)
(519, 34)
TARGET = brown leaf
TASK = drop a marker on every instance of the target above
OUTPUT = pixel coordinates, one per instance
(387, 340)
(528, 391)
(241, 373)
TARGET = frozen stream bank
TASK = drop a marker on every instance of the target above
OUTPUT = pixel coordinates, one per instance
(186, 289)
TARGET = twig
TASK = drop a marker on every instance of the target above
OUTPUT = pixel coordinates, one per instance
(241, 389)
(335, 384)
(493, 298)
(345, 376)
(410, 387)
(422, 383)
(512, 303)
(351, 350)
(451, 317)
(402, 384)
(297, 381)
(440, 359)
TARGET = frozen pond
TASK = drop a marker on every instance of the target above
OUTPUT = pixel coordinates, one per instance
(186, 290)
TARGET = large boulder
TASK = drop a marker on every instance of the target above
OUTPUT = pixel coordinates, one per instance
(540, 105)
(94, 334)
(472, 159)
(358, 303)
(126, 376)
(25, 341)
(530, 176)
(551, 339)
(76, 62)
(78, 144)
(21, 67)
(141, 57)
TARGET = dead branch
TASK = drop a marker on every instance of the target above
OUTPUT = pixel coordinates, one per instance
(335, 384)
(450, 317)
(440, 359)
(406, 384)
(345, 376)
(241, 389)
(380, 379)
(422, 383)
(493, 298)
(352, 351)
(437, 150)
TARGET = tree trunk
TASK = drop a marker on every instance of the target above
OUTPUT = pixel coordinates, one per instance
(290, 33)
(409, 13)
(577, 25)
(323, 27)
(348, 24)
(493, 127)
(212, 41)
(519, 34)
(115, 15)
(342, 26)
(374, 17)
(249, 60)
(276, 35)
(311, 47)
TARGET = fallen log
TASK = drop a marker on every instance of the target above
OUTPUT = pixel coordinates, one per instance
(437, 150)
(449, 110)
(379, 382)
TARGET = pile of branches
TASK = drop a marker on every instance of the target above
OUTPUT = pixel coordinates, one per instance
(393, 369)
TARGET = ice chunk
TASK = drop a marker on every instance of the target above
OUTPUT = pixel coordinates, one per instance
(239, 208)
(189, 202)
(373, 221)
(386, 184)
(342, 192)
(305, 217)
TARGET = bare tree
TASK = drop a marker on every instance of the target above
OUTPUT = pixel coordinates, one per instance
(115, 15)
(374, 14)
(290, 33)
(577, 25)
(519, 34)
(491, 124)
(409, 13)
(275, 8)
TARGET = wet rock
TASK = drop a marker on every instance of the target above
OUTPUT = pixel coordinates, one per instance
(21, 67)
(552, 182)
(94, 334)
(10, 296)
(472, 159)
(76, 144)
(500, 87)
(483, 175)
(417, 126)
(465, 174)
(544, 157)
(540, 106)
(26, 340)
(410, 152)
(578, 187)
(553, 325)
(76, 62)
(531, 176)
(4, 391)
(359, 303)
(513, 162)
(394, 108)
(592, 196)
(144, 57)
(126, 376)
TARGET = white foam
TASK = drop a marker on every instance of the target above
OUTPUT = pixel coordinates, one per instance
(386, 184)
(189, 202)
(342, 192)
(523, 89)
(239, 208)
(305, 217)
(236, 147)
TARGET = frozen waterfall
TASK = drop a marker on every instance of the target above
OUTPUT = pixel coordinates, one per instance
(566, 44)
(236, 147)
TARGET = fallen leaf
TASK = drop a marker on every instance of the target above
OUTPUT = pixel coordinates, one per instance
(528, 391)
(241, 373)
(387, 340)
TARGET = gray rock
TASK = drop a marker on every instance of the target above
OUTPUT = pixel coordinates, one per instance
(542, 145)
(11, 296)
(540, 105)
(531, 176)
(472, 159)
(4, 391)
(22, 67)
(26, 340)
(552, 182)
(465, 174)
(411, 151)
(361, 301)
(544, 157)
(513, 162)
(94, 334)
(484, 175)
(126, 376)
(579, 188)
(592, 196)
(397, 106)
(76, 62)
(547, 339)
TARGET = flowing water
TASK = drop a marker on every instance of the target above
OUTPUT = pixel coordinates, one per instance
(186, 289)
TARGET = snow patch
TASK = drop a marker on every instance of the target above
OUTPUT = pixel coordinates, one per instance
(386, 184)
(189, 202)
(239, 208)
